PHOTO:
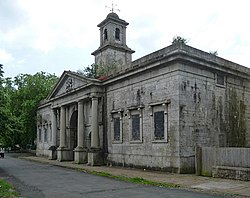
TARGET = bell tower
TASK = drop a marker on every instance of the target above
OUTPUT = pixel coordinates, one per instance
(113, 55)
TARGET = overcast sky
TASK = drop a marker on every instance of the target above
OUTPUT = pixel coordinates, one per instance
(58, 35)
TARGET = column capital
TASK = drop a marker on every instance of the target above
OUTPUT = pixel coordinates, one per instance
(54, 111)
(80, 102)
(94, 98)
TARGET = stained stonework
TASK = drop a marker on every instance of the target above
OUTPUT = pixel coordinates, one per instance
(151, 112)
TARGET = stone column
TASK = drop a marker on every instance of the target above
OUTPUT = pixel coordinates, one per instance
(80, 126)
(63, 153)
(95, 155)
(52, 148)
(67, 133)
(94, 126)
(80, 151)
(54, 127)
(62, 127)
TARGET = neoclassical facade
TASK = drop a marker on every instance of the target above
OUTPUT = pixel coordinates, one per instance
(72, 120)
(152, 112)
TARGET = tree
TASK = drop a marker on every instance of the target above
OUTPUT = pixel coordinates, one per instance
(179, 39)
(11, 130)
(30, 90)
(3, 112)
(6, 118)
(99, 71)
(90, 71)
(19, 99)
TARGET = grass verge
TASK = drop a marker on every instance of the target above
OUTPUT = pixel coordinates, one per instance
(136, 180)
(7, 190)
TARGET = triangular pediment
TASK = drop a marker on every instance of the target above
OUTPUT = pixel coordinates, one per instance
(70, 82)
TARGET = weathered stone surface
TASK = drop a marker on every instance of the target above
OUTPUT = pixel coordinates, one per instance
(205, 100)
(228, 172)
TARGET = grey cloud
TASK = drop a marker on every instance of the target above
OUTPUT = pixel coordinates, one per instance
(11, 15)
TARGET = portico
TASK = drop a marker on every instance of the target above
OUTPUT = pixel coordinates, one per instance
(75, 121)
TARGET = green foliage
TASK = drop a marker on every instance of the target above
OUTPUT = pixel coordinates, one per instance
(106, 70)
(96, 71)
(90, 71)
(179, 39)
(4, 119)
(18, 110)
(136, 180)
(6, 190)
(214, 53)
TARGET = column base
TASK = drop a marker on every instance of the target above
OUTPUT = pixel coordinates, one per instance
(95, 157)
(80, 155)
(64, 154)
(52, 153)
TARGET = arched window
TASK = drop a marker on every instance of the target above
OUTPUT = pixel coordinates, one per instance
(117, 33)
(105, 34)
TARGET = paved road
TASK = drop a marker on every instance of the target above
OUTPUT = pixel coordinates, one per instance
(35, 180)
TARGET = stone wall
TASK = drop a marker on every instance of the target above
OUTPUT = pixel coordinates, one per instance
(142, 90)
(233, 163)
(44, 131)
(209, 106)
(111, 62)
(213, 112)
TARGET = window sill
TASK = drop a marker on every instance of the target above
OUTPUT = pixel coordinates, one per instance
(117, 142)
(135, 142)
(160, 141)
(219, 85)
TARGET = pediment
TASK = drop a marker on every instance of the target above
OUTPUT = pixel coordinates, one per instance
(68, 83)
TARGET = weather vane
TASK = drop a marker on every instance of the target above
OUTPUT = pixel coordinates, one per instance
(112, 8)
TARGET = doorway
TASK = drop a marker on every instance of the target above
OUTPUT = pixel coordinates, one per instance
(73, 132)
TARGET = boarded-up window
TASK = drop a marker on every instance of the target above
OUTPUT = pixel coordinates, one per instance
(50, 134)
(136, 127)
(159, 125)
(220, 79)
(117, 129)
(40, 134)
(45, 135)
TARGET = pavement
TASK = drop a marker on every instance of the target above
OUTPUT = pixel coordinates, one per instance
(185, 181)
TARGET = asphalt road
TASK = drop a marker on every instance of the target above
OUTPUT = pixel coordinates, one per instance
(35, 180)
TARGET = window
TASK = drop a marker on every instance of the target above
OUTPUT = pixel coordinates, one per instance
(220, 79)
(159, 113)
(136, 127)
(105, 34)
(135, 123)
(159, 125)
(45, 135)
(116, 126)
(117, 129)
(117, 33)
(40, 134)
(50, 133)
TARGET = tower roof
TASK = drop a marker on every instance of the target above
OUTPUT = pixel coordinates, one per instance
(112, 16)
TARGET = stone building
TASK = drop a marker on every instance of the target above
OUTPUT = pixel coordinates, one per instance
(151, 112)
